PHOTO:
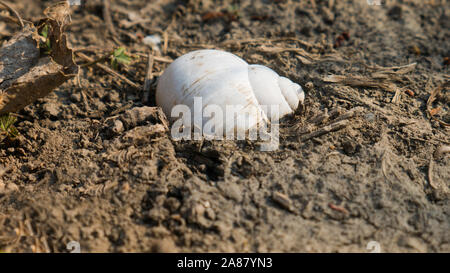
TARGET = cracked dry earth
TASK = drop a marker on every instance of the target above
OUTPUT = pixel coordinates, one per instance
(70, 177)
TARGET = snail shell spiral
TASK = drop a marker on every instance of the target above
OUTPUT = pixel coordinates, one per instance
(223, 79)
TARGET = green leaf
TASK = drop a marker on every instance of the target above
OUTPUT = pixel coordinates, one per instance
(7, 126)
(119, 51)
(123, 59)
(44, 31)
(45, 43)
(119, 56)
(13, 132)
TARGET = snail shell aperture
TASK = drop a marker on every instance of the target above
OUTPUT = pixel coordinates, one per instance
(223, 79)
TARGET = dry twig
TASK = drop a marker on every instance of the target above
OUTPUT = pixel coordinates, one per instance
(283, 201)
(108, 70)
(265, 40)
(399, 70)
(337, 208)
(430, 174)
(108, 20)
(16, 14)
(156, 58)
(325, 130)
(360, 81)
(440, 151)
(434, 94)
(302, 55)
(148, 77)
(383, 78)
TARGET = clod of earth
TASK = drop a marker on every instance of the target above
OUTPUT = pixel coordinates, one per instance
(35, 61)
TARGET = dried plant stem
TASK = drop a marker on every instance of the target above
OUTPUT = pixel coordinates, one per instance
(149, 74)
(326, 129)
(269, 41)
(14, 12)
(99, 60)
(393, 69)
(440, 151)
(156, 58)
(430, 175)
(109, 70)
(148, 77)
(434, 94)
(360, 81)
(108, 20)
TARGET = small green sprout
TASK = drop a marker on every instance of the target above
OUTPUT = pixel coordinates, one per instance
(116, 57)
(7, 129)
(45, 43)
(119, 56)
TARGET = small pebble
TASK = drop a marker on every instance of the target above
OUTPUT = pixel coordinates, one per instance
(164, 246)
(395, 13)
(117, 126)
(328, 15)
(153, 41)
(369, 117)
(232, 191)
(51, 109)
(350, 147)
(283, 200)
(75, 97)
(112, 97)
(309, 85)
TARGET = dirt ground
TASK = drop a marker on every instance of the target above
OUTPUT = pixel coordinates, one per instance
(69, 177)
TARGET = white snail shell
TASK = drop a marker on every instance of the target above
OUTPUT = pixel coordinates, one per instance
(223, 79)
